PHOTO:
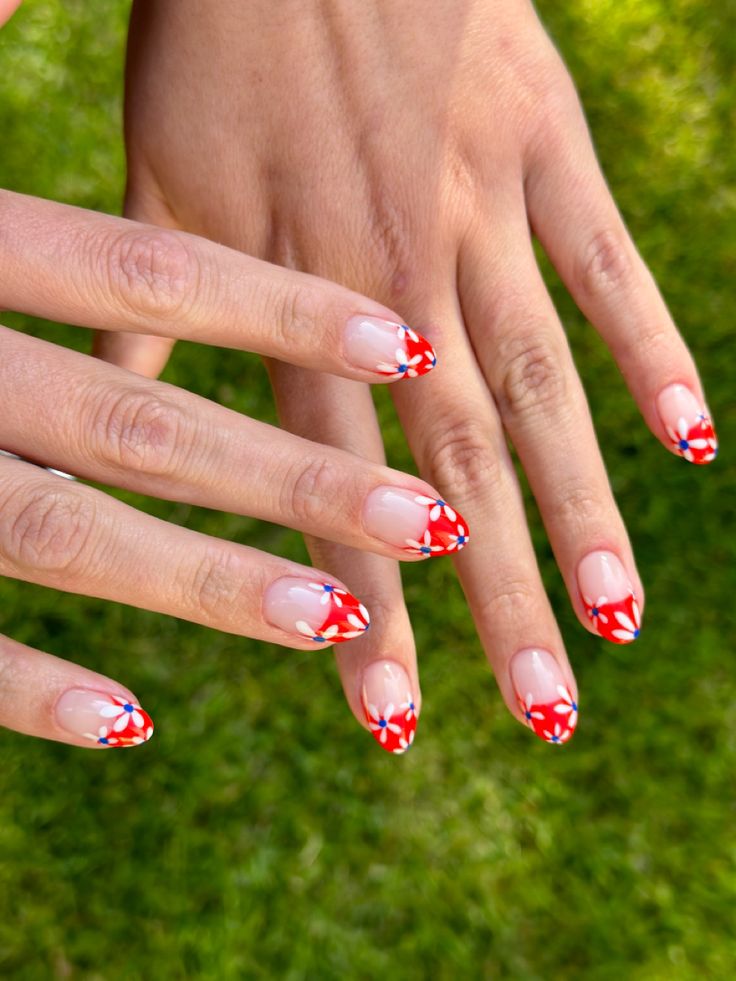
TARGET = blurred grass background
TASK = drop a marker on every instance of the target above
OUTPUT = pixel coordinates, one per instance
(262, 834)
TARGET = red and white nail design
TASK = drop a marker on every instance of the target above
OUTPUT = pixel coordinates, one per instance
(610, 602)
(391, 349)
(389, 706)
(688, 425)
(421, 525)
(107, 720)
(319, 611)
(546, 702)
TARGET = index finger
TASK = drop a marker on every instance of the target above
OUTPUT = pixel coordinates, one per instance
(96, 270)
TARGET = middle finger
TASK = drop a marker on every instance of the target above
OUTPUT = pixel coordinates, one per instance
(97, 421)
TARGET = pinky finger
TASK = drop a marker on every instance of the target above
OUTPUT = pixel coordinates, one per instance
(579, 226)
(49, 698)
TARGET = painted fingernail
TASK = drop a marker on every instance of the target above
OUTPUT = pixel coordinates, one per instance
(609, 597)
(319, 611)
(389, 706)
(108, 720)
(688, 424)
(393, 350)
(420, 525)
(545, 700)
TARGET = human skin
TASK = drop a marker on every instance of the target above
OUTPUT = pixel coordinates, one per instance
(410, 150)
(106, 424)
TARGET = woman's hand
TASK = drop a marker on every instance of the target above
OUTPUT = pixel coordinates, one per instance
(101, 422)
(406, 149)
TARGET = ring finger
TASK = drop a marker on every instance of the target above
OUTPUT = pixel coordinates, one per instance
(523, 352)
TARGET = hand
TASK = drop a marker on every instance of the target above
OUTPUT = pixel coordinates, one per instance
(405, 150)
(67, 410)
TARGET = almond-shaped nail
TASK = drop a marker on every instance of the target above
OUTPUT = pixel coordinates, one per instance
(419, 524)
(610, 602)
(688, 425)
(316, 610)
(388, 703)
(107, 720)
(545, 700)
(390, 349)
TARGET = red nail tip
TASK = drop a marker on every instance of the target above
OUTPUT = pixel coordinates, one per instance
(446, 531)
(414, 356)
(345, 616)
(618, 622)
(122, 723)
(554, 722)
(698, 443)
(392, 726)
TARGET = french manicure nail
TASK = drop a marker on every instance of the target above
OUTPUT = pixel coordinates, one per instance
(108, 720)
(688, 424)
(389, 706)
(391, 349)
(546, 702)
(420, 525)
(609, 597)
(319, 611)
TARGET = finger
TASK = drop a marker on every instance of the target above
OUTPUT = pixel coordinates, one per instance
(77, 414)
(76, 539)
(457, 438)
(523, 351)
(99, 271)
(576, 220)
(145, 354)
(378, 672)
(7, 9)
(43, 696)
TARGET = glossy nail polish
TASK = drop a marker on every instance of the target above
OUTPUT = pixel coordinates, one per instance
(688, 424)
(610, 602)
(389, 706)
(107, 720)
(390, 349)
(545, 700)
(319, 611)
(420, 525)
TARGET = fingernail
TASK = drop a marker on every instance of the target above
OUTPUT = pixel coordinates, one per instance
(420, 525)
(609, 597)
(389, 707)
(108, 720)
(319, 611)
(688, 424)
(547, 704)
(393, 350)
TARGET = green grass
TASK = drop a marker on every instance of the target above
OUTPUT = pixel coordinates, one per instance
(262, 834)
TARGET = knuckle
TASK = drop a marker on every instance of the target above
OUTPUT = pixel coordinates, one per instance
(299, 311)
(311, 493)
(463, 457)
(577, 510)
(508, 602)
(214, 592)
(605, 264)
(531, 372)
(139, 430)
(47, 528)
(152, 273)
